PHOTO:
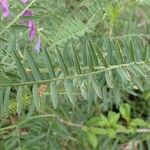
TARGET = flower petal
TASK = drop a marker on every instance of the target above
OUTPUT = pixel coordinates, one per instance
(5, 7)
(38, 45)
(24, 1)
(32, 30)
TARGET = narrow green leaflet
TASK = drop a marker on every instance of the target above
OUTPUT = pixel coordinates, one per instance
(36, 73)
(54, 94)
(36, 97)
(145, 53)
(120, 53)
(89, 57)
(109, 78)
(1, 101)
(19, 27)
(100, 55)
(96, 86)
(49, 64)
(6, 101)
(76, 60)
(19, 99)
(20, 67)
(62, 63)
(132, 52)
(95, 59)
(31, 109)
(69, 92)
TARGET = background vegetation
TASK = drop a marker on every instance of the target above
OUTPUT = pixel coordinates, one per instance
(88, 87)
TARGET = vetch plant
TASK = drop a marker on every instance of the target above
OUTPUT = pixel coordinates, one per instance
(85, 85)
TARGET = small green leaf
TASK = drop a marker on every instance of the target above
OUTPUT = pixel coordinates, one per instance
(83, 89)
(93, 121)
(139, 70)
(99, 131)
(124, 75)
(111, 132)
(113, 117)
(125, 110)
(85, 129)
(92, 139)
(138, 122)
(104, 121)
(120, 128)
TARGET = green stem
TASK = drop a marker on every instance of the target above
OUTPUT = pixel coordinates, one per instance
(74, 76)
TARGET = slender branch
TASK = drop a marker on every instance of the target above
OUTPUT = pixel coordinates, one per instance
(8, 128)
(74, 76)
(45, 70)
(143, 131)
(140, 35)
(68, 123)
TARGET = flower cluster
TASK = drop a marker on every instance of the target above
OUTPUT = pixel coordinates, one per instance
(31, 24)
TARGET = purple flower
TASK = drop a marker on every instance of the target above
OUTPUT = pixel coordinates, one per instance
(5, 7)
(24, 1)
(32, 29)
(31, 25)
(38, 45)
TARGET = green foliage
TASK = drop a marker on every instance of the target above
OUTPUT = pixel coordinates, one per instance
(88, 87)
(111, 125)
